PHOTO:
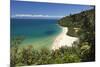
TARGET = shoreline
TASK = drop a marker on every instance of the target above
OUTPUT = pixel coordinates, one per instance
(63, 39)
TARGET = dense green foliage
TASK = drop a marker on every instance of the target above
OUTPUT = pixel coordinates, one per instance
(30, 56)
(84, 22)
(82, 25)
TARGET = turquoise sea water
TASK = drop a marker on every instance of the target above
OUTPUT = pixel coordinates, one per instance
(39, 33)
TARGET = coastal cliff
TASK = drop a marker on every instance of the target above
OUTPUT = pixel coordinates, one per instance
(76, 23)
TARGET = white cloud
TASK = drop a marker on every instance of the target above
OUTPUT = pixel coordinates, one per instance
(31, 15)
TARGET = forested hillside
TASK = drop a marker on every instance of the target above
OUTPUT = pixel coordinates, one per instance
(84, 20)
(82, 25)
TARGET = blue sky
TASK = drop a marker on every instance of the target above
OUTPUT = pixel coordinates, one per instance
(38, 9)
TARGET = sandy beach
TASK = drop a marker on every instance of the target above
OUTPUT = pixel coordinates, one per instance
(63, 40)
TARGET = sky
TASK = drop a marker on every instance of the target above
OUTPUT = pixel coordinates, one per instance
(39, 9)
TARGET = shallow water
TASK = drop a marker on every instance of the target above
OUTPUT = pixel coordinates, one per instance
(39, 33)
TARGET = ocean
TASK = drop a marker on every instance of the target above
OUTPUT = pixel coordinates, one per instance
(40, 33)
